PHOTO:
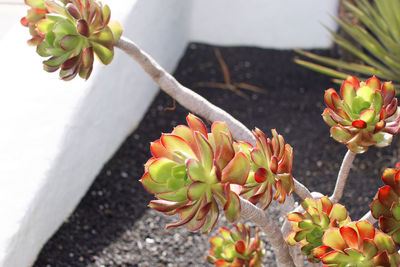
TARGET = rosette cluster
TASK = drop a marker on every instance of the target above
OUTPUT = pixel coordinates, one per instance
(70, 32)
(191, 169)
(271, 168)
(386, 205)
(367, 115)
(236, 248)
(309, 227)
(357, 244)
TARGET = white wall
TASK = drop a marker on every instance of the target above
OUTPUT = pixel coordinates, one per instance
(8, 13)
(57, 135)
(282, 24)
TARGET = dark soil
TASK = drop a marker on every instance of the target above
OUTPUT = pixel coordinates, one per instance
(112, 225)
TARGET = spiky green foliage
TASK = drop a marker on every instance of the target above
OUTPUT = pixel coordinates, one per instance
(386, 204)
(378, 35)
(236, 248)
(70, 33)
(367, 115)
(309, 227)
(271, 169)
(191, 169)
(357, 244)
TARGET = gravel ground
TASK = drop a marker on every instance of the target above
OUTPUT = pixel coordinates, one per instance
(112, 225)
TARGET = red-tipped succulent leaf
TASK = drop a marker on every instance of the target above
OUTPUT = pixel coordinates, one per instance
(357, 244)
(386, 205)
(366, 113)
(309, 227)
(271, 169)
(69, 33)
(236, 248)
(191, 169)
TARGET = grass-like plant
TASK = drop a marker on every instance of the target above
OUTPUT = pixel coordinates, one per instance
(375, 42)
(195, 173)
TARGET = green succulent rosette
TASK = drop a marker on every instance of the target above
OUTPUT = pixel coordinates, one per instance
(357, 244)
(236, 248)
(309, 227)
(367, 115)
(70, 33)
(191, 169)
(271, 169)
(386, 204)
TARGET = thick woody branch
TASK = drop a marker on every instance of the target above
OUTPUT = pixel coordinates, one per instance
(189, 99)
(301, 190)
(270, 228)
(342, 176)
(199, 105)
(183, 95)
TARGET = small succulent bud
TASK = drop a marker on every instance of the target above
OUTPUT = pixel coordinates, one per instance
(70, 33)
(271, 168)
(309, 227)
(357, 244)
(386, 205)
(367, 115)
(236, 248)
(190, 169)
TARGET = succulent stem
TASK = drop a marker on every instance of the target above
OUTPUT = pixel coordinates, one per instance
(190, 100)
(183, 95)
(342, 176)
(301, 190)
(368, 217)
(270, 228)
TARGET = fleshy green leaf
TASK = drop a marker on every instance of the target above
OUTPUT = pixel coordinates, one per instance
(116, 29)
(161, 169)
(196, 190)
(45, 25)
(340, 134)
(333, 239)
(237, 170)
(104, 54)
(384, 242)
(232, 207)
(36, 3)
(69, 42)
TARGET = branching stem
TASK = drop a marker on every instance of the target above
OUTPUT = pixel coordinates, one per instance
(301, 190)
(270, 228)
(189, 99)
(342, 176)
(183, 95)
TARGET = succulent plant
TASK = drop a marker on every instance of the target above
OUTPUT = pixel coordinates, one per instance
(70, 33)
(236, 248)
(375, 42)
(271, 168)
(309, 227)
(357, 244)
(190, 169)
(386, 204)
(36, 12)
(367, 115)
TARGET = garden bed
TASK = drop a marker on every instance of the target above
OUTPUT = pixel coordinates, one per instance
(112, 225)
